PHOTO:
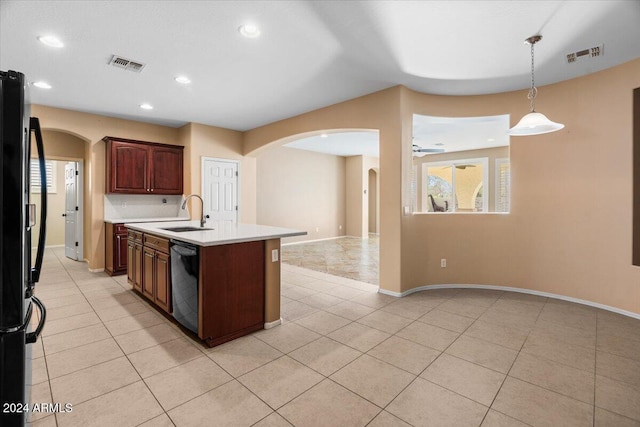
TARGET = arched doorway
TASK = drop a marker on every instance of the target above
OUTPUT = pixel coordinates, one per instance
(65, 153)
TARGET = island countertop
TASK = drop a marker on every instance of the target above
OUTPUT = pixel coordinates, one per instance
(215, 233)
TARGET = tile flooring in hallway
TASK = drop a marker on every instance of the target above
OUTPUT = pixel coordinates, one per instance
(345, 356)
(350, 257)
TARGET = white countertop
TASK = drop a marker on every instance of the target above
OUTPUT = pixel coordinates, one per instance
(137, 220)
(215, 233)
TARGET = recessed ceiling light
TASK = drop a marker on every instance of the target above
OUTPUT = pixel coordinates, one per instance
(324, 135)
(491, 140)
(51, 41)
(42, 85)
(249, 30)
(146, 106)
(183, 80)
(439, 144)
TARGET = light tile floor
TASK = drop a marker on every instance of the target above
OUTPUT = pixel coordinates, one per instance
(345, 356)
(349, 257)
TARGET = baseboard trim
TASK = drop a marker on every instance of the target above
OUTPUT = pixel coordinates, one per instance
(511, 289)
(311, 241)
(269, 325)
(96, 270)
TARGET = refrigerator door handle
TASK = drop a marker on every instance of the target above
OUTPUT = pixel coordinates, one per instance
(33, 336)
(34, 125)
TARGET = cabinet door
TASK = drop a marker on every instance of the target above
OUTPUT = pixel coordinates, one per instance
(120, 253)
(129, 168)
(163, 282)
(166, 170)
(148, 270)
(131, 263)
(137, 267)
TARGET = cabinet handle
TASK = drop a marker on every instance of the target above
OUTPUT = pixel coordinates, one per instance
(152, 189)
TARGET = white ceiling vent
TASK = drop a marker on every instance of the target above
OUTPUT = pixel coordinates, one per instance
(126, 64)
(592, 52)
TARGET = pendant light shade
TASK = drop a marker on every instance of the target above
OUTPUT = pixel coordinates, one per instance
(534, 123)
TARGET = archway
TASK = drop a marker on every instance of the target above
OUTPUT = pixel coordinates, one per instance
(319, 182)
(62, 147)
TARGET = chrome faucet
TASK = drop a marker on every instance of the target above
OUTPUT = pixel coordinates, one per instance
(184, 205)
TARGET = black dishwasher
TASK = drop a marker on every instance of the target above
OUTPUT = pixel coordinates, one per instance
(184, 283)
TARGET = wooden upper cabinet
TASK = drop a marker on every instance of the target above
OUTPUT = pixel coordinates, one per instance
(138, 167)
(166, 170)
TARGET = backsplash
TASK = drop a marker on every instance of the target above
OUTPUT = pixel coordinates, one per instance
(142, 206)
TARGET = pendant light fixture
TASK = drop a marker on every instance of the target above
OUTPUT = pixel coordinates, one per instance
(534, 123)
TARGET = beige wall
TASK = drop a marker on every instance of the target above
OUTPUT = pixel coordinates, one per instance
(63, 146)
(303, 190)
(209, 141)
(357, 194)
(55, 209)
(561, 236)
(380, 111)
(91, 128)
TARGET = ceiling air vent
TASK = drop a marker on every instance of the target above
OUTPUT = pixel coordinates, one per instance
(126, 64)
(592, 52)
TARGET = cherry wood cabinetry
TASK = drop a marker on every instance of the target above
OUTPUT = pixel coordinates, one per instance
(231, 291)
(138, 167)
(115, 249)
(134, 260)
(149, 272)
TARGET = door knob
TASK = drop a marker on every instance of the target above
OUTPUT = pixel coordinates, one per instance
(64, 214)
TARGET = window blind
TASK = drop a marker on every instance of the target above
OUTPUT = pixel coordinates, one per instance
(50, 168)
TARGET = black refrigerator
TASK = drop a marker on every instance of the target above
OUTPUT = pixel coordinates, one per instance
(18, 277)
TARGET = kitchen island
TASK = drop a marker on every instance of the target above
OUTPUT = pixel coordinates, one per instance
(221, 281)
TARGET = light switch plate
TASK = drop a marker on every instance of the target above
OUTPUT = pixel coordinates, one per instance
(274, 255)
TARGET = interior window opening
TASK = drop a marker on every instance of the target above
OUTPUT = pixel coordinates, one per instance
(460, 164)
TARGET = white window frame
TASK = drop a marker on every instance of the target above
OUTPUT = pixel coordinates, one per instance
(484, 161)
(501, 161)
(51, 167)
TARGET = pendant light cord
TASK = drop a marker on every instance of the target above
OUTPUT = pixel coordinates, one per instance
(533, 91)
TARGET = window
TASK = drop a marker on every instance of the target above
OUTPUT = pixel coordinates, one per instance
(503, 185)
(51, 170)
(455, 186)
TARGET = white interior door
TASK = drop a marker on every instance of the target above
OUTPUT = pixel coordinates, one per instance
(71, 211)
(220, 189)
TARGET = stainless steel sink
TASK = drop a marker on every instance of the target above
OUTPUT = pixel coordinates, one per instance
(184, 229)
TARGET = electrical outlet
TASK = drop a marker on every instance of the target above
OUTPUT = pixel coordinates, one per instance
(443, 263)
(274, 255)
(123, 204)
(340, 227)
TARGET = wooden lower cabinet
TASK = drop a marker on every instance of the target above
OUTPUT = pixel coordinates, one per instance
(162, 295)
(116, 250)
(134, 260)
(231, 291)
(149, 268)
(148, 272)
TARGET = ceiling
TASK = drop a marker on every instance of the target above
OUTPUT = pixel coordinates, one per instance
(310, 54)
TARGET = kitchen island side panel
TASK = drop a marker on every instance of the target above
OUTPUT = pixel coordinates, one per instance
(272, 282)
(231, 291)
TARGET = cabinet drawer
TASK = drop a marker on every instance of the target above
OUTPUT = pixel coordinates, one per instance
(119, 229)
(155, 242)
(135, 236)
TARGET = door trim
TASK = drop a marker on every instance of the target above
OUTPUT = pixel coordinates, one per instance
(219, 159)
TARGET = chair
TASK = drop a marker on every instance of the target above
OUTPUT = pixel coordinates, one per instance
(438, 208)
